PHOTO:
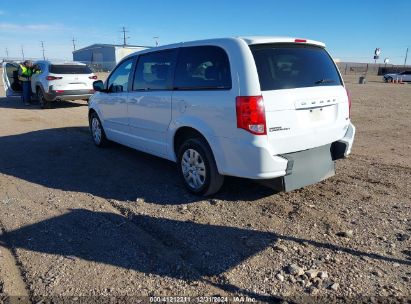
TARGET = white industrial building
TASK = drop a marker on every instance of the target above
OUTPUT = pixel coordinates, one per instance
(104, 56)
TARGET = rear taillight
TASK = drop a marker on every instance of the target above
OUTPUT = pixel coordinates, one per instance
(93, 77)
(300, 40)
(53, 78)
(251, 114)
(349, 102)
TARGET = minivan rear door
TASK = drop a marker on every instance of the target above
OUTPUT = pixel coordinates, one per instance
(305, 101)
(11, 83)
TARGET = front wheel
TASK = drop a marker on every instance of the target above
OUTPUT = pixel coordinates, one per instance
(197, 167)
(97, 131)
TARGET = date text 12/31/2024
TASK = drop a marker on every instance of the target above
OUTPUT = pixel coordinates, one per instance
(202, 299)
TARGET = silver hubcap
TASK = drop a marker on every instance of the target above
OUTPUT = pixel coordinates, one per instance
(193, 168)
(96, 130)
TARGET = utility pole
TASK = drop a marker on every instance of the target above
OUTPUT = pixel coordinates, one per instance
(74, 43)
(156, 40)
(42, 48)
(22, 52)
(7, 53)
(406, 56)
(124, 36)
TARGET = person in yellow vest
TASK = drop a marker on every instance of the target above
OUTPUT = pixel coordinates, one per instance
(25, 71)
(36, 69)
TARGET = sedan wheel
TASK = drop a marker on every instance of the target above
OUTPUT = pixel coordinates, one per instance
(42, 100)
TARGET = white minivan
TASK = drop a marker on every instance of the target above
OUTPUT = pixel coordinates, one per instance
(264, 108)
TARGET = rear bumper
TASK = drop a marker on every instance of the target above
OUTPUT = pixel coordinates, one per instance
(254, 161)
(53, 95)
(347, 140)
(305, 168)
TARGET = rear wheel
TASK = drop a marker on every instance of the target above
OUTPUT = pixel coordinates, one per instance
(97, 131)
(197, 167)
(44, 103)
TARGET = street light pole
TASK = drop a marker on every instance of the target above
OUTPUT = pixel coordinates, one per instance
(124, 31)
(406, 56)
(74, 43)
(42, 48)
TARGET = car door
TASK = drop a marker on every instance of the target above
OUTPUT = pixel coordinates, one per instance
(12, 85)
(149, 107)
(36, 78)
(407, 75)
(113, 102)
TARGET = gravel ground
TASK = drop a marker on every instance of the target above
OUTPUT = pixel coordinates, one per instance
(82, 221)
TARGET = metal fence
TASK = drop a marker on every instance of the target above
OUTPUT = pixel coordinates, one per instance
(346, 68)
(96, 66)
(352, 68)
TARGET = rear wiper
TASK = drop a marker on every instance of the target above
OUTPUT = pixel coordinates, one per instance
(324, 81)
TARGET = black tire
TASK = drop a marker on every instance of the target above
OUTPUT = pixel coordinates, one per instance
(213, 180)
(102, 141)
(44, 103)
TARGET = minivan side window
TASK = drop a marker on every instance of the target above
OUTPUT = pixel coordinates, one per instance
(118, 81)
(202, 68)
(154, 71)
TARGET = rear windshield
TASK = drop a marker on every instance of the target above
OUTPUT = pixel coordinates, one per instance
(289, 66)
(69, 69)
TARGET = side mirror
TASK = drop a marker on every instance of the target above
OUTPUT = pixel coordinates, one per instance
(98, 86)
